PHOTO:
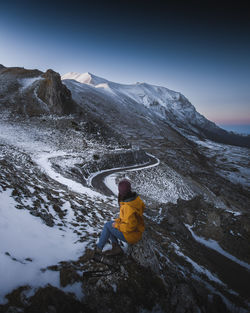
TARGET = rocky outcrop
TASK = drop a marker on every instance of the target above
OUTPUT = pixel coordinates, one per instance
(18, 72)
(143, 253)
(32, 92)
(56, 95)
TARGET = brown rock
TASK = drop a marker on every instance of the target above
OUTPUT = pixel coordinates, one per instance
(68, 276)
(56, 95)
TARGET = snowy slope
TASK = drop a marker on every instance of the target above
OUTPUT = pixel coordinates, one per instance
(45, 217)
(167, 104)
(154, 104)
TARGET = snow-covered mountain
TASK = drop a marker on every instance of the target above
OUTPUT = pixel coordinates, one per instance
(133, 111)
(86, 78)
(154, 104)
(167, 104)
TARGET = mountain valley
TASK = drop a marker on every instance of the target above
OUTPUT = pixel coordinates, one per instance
(65, 141)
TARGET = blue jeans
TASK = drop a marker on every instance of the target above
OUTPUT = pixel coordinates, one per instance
(109, 232)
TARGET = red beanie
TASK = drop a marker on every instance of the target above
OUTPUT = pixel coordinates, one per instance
(124, 187)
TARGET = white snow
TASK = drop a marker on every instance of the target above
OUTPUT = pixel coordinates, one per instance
(114, 286)
(234, 212)
(231, 306)
(41, 153)
(43, 161)
(196, 266)
(110, 182)
(159, 100)
(27, 82)
(25, 236)
(212, 244)
(162, 184)
(86, 78)
(231, 162)
(76, 289)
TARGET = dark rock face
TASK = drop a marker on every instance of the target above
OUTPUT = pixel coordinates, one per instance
(220, 135)
(56, 95)
(18, 72)
(49, 299)
(32, 92)
(12, 97)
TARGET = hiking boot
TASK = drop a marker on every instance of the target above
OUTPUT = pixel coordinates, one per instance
(96, 252)
(116, 250)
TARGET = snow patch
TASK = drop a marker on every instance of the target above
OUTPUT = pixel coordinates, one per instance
(43, 161)
(212, 244)
(197, 267)
(110, 182)
(27, 82)
(76, 289)
(29, 246)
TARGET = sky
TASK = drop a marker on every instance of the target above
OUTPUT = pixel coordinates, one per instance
(199, 48)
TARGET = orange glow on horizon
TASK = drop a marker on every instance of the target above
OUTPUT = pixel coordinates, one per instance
(232, 121)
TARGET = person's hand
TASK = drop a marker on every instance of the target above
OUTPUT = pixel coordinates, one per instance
(113, 225)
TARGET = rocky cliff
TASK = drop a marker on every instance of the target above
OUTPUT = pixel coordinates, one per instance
(32, 93)
(56, 95)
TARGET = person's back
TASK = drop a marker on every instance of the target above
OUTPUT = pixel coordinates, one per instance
(130, 221)
(129, 226)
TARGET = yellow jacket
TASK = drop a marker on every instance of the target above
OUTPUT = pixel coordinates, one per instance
(130, 221)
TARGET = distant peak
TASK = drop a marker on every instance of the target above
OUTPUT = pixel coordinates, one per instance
(82, 78)
(85, 78)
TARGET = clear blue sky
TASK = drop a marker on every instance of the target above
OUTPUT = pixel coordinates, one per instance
(200, 48)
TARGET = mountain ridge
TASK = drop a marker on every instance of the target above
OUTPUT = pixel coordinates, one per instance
(139, 108)
(170, 106)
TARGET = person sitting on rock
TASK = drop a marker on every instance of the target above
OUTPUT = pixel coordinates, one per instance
(129, 226)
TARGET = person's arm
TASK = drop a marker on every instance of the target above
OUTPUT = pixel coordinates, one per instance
(128, 223)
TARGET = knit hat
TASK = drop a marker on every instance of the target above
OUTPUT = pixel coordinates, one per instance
(124, 187)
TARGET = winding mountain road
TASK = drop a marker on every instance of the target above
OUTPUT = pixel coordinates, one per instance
(232, 274)
(97, 181)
